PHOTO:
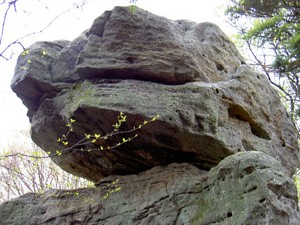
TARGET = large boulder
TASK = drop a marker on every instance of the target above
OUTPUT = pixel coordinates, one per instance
(215, 107)
(247, 188)
(222, 151)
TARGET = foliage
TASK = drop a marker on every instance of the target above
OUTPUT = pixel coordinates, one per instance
(270, 31)
(297, 183)
(96, 140)
(24, 171)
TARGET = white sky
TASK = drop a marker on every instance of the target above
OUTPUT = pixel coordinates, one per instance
(33, 15)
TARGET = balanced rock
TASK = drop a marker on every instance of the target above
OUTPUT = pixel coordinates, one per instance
(246, 188)
(222, 134)
(211, 105)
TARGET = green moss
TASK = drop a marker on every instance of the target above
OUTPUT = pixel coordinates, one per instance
(82, 93)
(204, 206)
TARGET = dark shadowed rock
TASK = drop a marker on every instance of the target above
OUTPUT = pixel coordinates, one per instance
(246, 188)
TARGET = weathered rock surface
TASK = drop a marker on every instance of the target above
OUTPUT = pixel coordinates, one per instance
(227, 108)
(147, 47)
(216, 114)
(246, 188)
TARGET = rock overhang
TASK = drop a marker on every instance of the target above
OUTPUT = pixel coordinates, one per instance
(211, 104)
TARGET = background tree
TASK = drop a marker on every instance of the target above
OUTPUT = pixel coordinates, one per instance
(270, 31)
(19, 175)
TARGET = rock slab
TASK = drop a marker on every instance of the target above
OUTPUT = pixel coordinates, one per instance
(246, 188)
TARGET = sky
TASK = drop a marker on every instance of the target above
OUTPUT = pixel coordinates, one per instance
(32, 16)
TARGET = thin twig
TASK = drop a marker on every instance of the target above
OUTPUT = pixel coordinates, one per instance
(18, 40)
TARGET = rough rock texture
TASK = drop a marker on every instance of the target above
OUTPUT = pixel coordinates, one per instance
(214, 111)
(227, 109)
(244, 189)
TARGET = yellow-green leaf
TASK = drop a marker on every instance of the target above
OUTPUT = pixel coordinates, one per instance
(58, 152)
(26, 52)
(118, 189)
(115, 181)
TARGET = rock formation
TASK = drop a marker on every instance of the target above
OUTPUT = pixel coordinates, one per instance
(222, 151)
(246, 188)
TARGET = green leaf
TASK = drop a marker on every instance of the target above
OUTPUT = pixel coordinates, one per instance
(58, 152)
(26, 52)
(132, 9)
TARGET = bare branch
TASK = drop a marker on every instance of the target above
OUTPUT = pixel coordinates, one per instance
(18, 40)
(4, 20)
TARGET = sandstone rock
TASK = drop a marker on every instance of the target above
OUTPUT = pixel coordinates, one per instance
(33, 79)
(218, 107)
(144, 46)
(222, 151)
(200, 123)
(247, 188)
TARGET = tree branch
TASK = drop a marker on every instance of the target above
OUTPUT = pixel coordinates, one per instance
(18, 40)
